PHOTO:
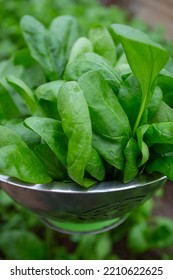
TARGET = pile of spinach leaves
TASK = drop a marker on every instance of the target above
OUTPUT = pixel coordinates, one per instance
(85, 109)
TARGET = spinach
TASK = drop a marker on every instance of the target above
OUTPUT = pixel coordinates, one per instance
(98, 35)
(24, 91)
(129, 96)
(101, 108)
(131, 153)
(145, 57)
(49, 91)
(37, 39)
(27, 135)
(7, 101)
(22, 163)
(55, 168)
(92, 61)
(18, 161)
(52, 133)
(162, 164)
(51, 47)
(76, 124)
(63, 32)
(107, 116)
(82, 45)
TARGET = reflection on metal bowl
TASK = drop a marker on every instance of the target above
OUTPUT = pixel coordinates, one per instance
(69, 208)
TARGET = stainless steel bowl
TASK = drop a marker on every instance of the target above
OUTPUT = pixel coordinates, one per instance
(68, 208)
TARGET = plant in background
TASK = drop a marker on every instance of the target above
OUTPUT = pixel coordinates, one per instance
(46, 10)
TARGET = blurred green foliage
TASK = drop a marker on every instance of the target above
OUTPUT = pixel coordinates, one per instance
(11, 12)
(88, 12)
(22, 236)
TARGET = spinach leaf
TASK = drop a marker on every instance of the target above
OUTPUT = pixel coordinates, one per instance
(47, 98)
(82, 45)
(107, 116)
(165, 82)
(28, 136)
(64, 31)
(123, 67)
(51, 132)
(92, 61)
(67, 30)
(145, 57)
(55, 168)
(9, 68)
(103, 43)
(20, 162)
(76, 124)
(49, 91)
(24, 91)
(162, 164)
(37, 39)
(10, 137)
(7, 102)
(142, 145)
(154, 103)
(131, 153)
(95, 166)
(32, 74)
(159, 133)
(49, 109)
(163, 114)
(112, 150)
(130, 96)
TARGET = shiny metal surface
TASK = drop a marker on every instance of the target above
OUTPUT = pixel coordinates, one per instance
(68, 208)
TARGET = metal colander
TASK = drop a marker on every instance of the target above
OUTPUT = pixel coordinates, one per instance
(69, 208)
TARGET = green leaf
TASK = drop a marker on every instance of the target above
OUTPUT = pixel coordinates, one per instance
(165, 82)
(76, 124)
(37, 39)
(10, 137)
(163, 114)
(142, 145)
(162, 164)
(51, 132)
(103, 43)
(130, 98)
(107, 116)
(112, 150)
(82, 45)
(7, 101)
(92, 61)
(64, 31)
(145, 57)
(159, 133)
(28, 136)
(24, 91)
(49, 91)
(55, 168)
(20, 162)
(155, 103)
(67, 31)
(95, 166)
(131, 153)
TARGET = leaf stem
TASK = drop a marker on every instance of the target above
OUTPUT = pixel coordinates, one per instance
(142, 108)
